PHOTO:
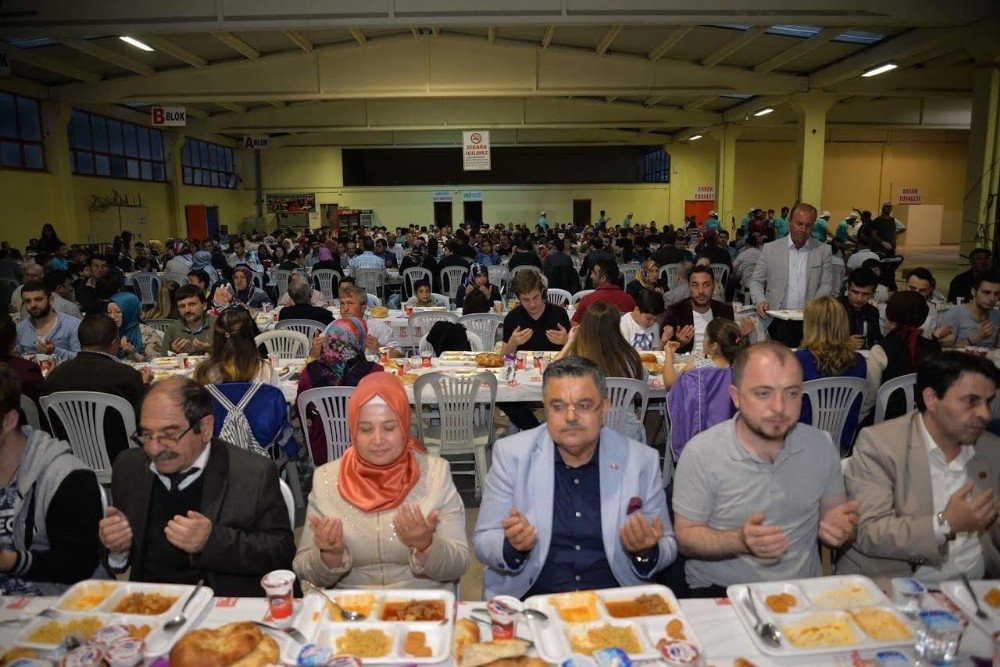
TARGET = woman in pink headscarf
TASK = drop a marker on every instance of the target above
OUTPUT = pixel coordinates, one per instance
(327, 260)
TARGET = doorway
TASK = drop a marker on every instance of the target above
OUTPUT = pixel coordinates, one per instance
(581, 212)
(699, 209)
(442, 214)
(472, 214)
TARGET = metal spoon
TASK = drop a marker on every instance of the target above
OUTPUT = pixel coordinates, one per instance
(767, 631)
(975, 599)
(180, 619)
(528, 614)
(346, 614)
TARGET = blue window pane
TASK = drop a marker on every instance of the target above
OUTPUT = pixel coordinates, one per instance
(33, 157)
(186, 153)
(100, 128)
(147, 170)
(213, 157)
(156, 138)
(118, 167)
(158, 172)
(215, 179)
(8, 119)
(10, 154)
(131, 147)
(133, 168)
(80, 128)
(204, 154)
(229, 159)
(144, 142)
(84, 163)
(196, 176)
(115, 136)
(27, 113)
(187, 175)
(102, 166)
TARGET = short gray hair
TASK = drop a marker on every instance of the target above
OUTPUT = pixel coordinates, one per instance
(578, 367)
(300, 292)
(349, 290)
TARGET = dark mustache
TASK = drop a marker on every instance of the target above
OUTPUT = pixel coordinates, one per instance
(165, 455)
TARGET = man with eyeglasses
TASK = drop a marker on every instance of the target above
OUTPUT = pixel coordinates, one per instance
(541, 527)
(188, 506)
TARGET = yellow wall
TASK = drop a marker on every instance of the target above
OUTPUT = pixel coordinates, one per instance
(29, 200)
(691, 164)
(766, 176)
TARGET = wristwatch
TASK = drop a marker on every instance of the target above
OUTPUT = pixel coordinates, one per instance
(645, 558)
(943, 524)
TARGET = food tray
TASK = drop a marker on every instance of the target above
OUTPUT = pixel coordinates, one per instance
(551, 637)
(960, 596)
(457, 359)
(158, 642)
(315, 623)
(791, 315)
(820, 600)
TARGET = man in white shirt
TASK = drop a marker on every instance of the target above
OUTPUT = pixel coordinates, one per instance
(927, 481)
(641, 327)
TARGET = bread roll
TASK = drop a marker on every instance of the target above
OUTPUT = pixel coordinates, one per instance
(466, 632)
(483, 653)
(235, 644)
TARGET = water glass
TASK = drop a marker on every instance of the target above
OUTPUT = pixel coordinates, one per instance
(938, 636)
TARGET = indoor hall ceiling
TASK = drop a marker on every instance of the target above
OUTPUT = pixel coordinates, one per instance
(617, 69)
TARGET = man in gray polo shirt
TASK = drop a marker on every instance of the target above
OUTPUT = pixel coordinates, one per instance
(752, 494)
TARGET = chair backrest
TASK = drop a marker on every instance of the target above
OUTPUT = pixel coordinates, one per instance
(831, 400)
(670, 272)
(575, 299)
(324, 279)
(837, 269)
(485, 325)
(621, 395)
(525, 267)
(499, 275)
(559, 297)
(82, 415)
(419, 324)
(456, 401)
(286, 495)
(286, 344)
(30, 411)
(370, 280)
(721, 273)
(159, 325)
(904, 383)
(258, 280)
(748, 270)
(412, 276)
(280, 277)
(451, 279)
(307, 328)
(331, 404)
(148, 285)
(628, 272)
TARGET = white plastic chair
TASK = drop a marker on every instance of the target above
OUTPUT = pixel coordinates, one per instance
(280, 277)
(499, 275)
(82, 413)
(159, 325)
(621, 395)
(576, 298)
(721, 273)
(148, 285)
(558, 297)
(371, 281)
(904, 383)
(670, 272)
(307, 328)
(628, 272)
(258, 280)
(331, 404)
(485, 325)
(525, 267)
(419, 324)
(289, 498)
(30, 411)
(324, 278)
(745, 276)
(831, 400)
(451, 280)
(285, 343)
(412, 276)
(458, 434)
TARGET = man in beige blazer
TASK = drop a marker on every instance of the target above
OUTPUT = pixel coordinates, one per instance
(927, 481)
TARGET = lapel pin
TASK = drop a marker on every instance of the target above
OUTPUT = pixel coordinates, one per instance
(982, 475)
(615, 466)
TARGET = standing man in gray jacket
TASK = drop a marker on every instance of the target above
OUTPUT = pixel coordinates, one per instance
(790, 273)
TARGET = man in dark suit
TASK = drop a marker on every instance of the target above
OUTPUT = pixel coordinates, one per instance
(686, 321)
(96, 368)
(189, 506)
(862, 315)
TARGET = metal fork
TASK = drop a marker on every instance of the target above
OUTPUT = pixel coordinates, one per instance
(290, 631)
(50, 612)
(975, 599)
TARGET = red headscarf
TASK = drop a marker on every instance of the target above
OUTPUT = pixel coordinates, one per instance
(371, 487)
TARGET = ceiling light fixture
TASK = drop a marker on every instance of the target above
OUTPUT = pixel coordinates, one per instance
(881, 69)
(694, 137)
(136, 43)
(763, 112)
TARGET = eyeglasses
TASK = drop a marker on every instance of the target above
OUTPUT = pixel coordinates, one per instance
(560, 408)
(142, 439)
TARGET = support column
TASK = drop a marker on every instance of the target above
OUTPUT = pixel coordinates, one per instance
(178, 219)
(979, 208)
(725, 180)
(56, 117)
(811, 108)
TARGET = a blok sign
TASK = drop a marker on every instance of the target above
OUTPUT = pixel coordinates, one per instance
(168, 116)
(476, 150)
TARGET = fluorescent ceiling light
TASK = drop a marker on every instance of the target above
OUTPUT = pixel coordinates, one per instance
(694, 137)
(136, 43)
(881, 69)
(763, 112)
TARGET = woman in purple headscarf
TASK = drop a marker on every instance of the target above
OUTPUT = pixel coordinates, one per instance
(478, 278)
(327, 260)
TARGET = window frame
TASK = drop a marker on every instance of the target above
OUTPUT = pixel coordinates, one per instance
(127, 157)
(210, 165)
(656, 166)
(20, 140)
